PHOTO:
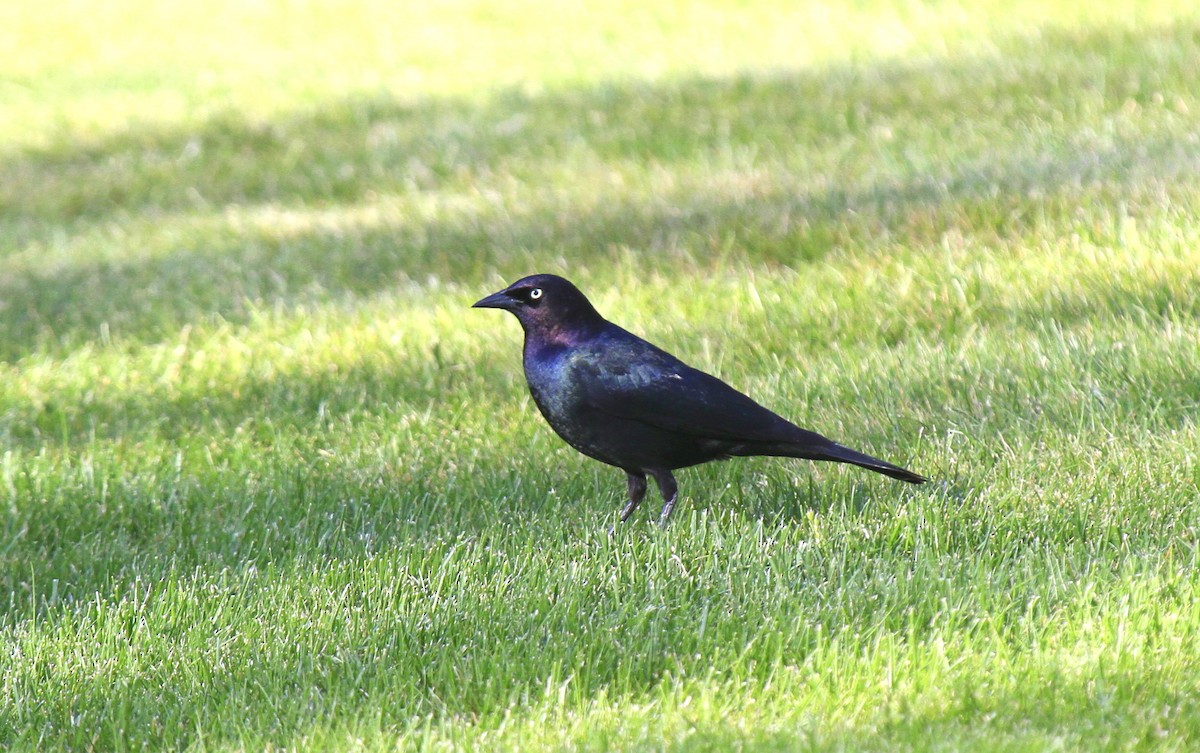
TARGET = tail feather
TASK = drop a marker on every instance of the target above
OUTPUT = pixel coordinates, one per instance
(816, 447)
(841, 454)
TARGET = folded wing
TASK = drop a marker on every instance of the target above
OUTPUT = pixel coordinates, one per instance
(639, 382)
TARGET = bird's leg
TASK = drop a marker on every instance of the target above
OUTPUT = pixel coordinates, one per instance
(670, 492)
(637, 490)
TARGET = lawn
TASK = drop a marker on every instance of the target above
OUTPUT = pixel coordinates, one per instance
(268, 483)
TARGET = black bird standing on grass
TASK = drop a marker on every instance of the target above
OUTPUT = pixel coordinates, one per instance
(618, 399)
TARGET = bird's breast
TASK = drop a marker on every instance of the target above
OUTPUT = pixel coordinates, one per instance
(556, 389)
(551, 385)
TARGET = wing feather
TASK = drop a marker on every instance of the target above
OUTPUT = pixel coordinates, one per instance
(633, 380)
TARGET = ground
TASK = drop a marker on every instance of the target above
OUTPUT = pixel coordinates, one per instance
(267, 482)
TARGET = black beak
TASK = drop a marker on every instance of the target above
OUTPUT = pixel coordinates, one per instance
(499, 300)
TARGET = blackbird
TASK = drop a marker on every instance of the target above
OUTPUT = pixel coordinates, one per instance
(616, 398)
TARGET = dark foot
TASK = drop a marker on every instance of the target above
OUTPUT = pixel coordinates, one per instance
(670, 492)
(637, 490)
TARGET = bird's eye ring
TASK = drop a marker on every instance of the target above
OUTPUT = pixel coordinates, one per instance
(535, 294)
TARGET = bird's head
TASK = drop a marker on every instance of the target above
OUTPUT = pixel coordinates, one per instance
(547, 305)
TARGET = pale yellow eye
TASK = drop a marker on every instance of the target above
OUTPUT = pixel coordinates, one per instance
(535, 294)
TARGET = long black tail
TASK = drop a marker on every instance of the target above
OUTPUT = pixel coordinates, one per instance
(818, 447)
(841, 454)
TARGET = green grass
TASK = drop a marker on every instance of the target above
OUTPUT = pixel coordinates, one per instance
(267, 483)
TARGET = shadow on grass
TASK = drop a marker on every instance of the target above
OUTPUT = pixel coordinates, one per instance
(992, 147)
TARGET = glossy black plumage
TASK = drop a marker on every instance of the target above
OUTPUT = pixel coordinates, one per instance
(618, 399)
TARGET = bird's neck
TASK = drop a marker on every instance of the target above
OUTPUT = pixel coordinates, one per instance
(547, 339)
